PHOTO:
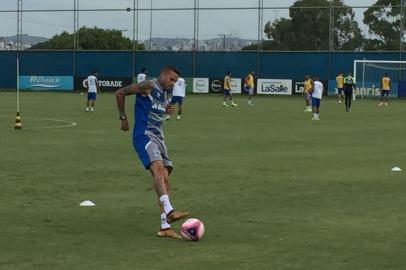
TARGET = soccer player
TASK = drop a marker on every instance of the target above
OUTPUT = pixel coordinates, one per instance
(385, 89)
(92, 89)
(349, 86)
(308, 85)
(249, 86)
(178, 94)
(340, 85)
(317, 93)
(142, 76)
(148, 138)
(227, 90)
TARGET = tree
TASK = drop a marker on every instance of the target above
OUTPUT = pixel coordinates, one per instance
(384, 22)
(89, 39)
(308, 28)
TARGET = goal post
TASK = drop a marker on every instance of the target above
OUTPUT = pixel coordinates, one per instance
(368, 74)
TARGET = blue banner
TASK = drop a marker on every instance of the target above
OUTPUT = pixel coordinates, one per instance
(367, 89)
(46, 82)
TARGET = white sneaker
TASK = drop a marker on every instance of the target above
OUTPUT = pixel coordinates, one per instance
(168, 117)
(234, 104)
(92, 109)
(178, 117)
(87, 110)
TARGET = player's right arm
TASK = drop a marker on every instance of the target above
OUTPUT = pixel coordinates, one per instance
(143, 88)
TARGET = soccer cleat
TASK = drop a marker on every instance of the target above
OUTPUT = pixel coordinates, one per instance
(87, 109)
(234, 104)
(225, 105)
(178, 117)
(380, 104)
(168, 233)
(168, 117)
(175, 215)
(386, 104)
(92, 109)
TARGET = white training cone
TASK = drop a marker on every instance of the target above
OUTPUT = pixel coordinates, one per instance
(396, 169)
(87, 203)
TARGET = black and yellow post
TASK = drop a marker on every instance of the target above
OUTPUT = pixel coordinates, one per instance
(18, 124)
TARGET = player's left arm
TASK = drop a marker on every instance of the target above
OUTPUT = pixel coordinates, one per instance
(143, 88)
(97, 86)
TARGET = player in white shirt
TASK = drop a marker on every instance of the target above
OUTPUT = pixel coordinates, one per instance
(92, 86)
(317, 93)
(142, 76)
(178, 94)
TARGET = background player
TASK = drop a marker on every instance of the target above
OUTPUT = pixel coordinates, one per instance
(148, 138)
(385, 89)
(349, 85)
(178, 94)
(340, 86)
(227, 90)
(92, 88)
(308, 85)
(317, 93)
(142, 76)
(249, 86)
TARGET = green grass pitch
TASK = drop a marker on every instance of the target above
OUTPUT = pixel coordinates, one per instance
(274, 189)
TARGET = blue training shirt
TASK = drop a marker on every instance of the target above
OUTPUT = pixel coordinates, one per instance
(149, 112)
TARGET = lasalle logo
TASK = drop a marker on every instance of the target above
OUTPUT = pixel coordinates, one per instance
(274, 87)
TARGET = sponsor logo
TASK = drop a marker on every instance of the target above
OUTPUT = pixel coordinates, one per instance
(274, 87)
(158, 107)
(106, 83)
(200, 85)
(34, 82)
(299, 87)
(216, 86)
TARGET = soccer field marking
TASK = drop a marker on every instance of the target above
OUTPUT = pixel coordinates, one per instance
(65, 124)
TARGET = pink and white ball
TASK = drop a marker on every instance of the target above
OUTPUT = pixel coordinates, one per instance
(192, 229)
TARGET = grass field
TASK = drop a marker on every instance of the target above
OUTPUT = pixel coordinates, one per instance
(274, 189)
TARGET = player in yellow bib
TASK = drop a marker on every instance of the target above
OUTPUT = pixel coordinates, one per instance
(227, 90)
(307, 89)
(385, 89)
(249, 86)
(340, 86)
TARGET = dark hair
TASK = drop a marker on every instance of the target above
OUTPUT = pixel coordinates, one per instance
(171, 68)
(143, 70)
(228, 72)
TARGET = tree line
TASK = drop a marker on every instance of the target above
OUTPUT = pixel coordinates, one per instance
(310, 29)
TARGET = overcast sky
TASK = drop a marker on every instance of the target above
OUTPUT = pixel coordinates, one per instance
(212, 23)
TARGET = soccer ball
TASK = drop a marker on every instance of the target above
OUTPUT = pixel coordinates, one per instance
(192, 229)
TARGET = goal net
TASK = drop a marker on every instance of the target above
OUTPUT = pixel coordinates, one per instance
(368, 75)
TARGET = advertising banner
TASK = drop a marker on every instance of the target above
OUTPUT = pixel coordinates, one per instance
(365, 89)
(217, 85)
(200, 85)
(46, 82)
(274, 87)
(105, 83)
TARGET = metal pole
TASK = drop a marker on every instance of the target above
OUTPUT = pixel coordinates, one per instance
(134, 44)
(150, 28)
(19, 41)
(331, 38)
(260, 24)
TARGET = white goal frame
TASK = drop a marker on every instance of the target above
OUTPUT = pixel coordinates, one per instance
(364, 61)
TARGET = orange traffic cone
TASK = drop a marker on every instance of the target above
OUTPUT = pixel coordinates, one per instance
(18, 124)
